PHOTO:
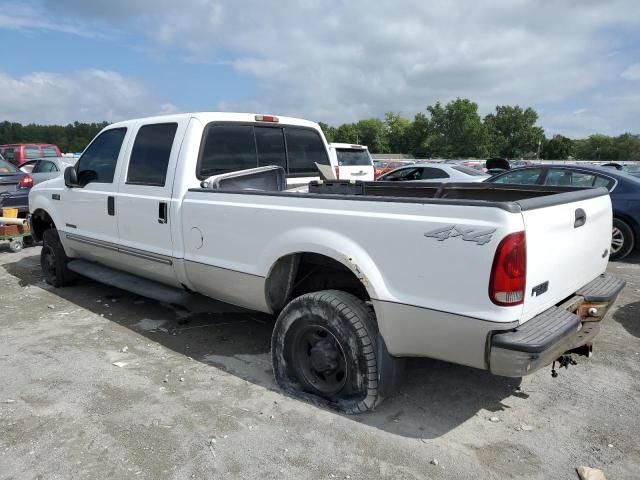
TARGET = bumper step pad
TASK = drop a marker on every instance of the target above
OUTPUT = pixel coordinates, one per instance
(539, 333)
(603, 289)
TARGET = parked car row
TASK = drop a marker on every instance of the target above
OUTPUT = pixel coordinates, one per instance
(19, 153)
(15, 183)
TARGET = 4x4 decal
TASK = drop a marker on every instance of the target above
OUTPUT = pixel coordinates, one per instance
(479, 236)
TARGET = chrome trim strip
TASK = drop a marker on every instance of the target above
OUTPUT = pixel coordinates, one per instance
(116, 248)
(90, 241)
(146, 255)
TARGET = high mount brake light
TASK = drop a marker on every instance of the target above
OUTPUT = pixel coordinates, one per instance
(509, 271)
(267, 118)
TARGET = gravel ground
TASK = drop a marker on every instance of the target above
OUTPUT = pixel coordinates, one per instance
(97, 383)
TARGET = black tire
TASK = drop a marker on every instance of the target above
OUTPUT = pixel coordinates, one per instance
(324, 349)
(622, 241)
(53, 261)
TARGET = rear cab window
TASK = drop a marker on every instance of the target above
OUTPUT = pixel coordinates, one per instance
(231, 147)
(348, 157)
(150, 154)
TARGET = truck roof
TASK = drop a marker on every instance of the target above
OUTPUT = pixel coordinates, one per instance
(207, 117)
(348, 146)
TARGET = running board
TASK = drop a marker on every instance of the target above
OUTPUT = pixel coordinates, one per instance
(132, 283)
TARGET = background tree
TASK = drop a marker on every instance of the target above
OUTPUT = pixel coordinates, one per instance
(558, 148)
(457, 130)
(373, 133)
(512, 131)
(398, 130)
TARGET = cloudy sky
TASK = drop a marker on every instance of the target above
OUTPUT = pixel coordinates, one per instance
(577, 62)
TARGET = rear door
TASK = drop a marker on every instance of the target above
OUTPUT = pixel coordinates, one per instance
(144, 208)
(355, 163)
(567, 247)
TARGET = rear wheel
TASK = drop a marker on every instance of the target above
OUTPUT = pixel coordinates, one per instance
(622, 240)
(53, 261)
(324, 348)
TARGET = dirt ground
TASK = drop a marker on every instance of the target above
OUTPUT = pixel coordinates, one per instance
(96, 383)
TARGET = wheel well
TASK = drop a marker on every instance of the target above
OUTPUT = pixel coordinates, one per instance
(40, 222)
(300, 273)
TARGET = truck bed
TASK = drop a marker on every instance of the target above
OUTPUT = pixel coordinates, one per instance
(512, 198)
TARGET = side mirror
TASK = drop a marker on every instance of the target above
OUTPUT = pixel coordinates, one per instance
(71, 177)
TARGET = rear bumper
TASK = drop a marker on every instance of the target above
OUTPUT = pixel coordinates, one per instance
(544, 338)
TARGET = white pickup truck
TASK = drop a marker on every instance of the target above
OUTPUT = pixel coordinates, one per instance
(506, 278)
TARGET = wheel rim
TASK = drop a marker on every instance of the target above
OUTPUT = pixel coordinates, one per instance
(319, 359)
(48, 261)
(617, 240)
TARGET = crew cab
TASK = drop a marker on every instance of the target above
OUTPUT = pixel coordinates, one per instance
(506, 278)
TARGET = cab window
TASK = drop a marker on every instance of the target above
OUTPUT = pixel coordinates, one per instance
(150, 154)
(98, 162)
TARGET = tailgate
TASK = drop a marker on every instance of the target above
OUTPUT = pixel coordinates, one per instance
(567, 247)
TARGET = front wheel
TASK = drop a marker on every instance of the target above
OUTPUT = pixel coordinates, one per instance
(622, 240)
(324, 347)
(53, 261)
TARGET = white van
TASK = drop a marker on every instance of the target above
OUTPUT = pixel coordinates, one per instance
(352, 162)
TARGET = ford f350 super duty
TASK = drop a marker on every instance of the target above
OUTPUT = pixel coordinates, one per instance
(506, 278)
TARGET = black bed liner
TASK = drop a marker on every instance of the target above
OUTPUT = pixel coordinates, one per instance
(512, 198)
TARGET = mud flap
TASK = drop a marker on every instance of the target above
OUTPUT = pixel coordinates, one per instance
(390, 371)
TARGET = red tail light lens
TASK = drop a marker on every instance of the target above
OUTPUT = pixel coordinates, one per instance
(337, 168)
(26, 182)
(509, 271)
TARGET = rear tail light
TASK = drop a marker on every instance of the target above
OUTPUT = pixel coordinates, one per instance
(337, 168)
(509, 271)
(26, 182)
(267, 118)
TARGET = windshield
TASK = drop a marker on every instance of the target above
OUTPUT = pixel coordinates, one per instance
(6, 167)
(469, 171)
(632, 167)
(352, 158)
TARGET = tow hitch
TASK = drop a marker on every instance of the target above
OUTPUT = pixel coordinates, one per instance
(566, 359)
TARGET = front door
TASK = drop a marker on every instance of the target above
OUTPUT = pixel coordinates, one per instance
(89, 226)
(144, 207)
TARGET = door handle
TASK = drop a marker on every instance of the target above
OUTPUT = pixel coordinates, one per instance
(111, 206)
(162, 213)
(581, 218)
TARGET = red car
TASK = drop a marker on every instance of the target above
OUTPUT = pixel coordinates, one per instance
(18, 153)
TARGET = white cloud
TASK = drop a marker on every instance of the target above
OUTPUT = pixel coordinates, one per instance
(88, 95)
(339, 61)
(632, 72)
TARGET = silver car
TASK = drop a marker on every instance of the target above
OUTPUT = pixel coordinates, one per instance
(43, 169)
(434, 172)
